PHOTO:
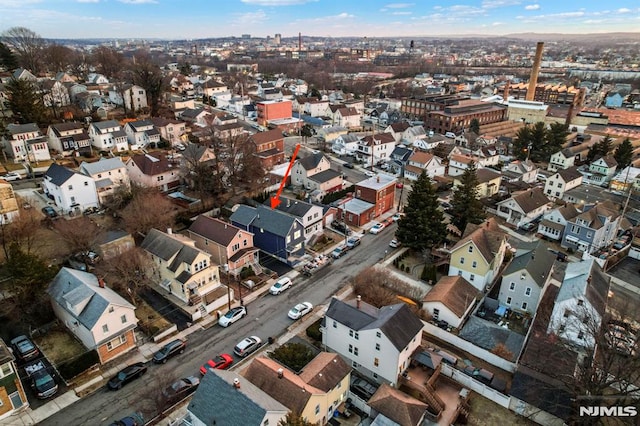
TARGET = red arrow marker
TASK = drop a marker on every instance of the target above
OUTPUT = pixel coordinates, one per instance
(275, 200)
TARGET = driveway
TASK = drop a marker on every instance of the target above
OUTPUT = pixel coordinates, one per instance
(168, 310)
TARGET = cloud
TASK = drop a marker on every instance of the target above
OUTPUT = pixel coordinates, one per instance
(88, 1)
(257, 17)
(623, 10)
(496, 24)
(401, 13)
(398, 5)
(492, 4)
(532, 7)
(138, 1)
(17, 3)
(277, 2)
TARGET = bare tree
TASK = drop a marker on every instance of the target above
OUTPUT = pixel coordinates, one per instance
(56, 57)
(127, 273)
(148, 209)
(149, 76)
(107, 60)
(22, 232)
(28, 45)
(78, 65)
(78, 234)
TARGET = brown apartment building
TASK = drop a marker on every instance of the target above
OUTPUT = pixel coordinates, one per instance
(550, 94)
(269, 147)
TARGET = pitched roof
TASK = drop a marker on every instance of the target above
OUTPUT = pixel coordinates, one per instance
(101, 166)
(397, 322)
(609, 161)
(152, 165)
(218, 401)
(325, 371)
(58, 174)
(214, 229)
(168, 247)
(75, 288)
(400, 126)
(325, 176)
(487, 237)
(273, 221)
(535, 258)
(311, 161)
(102, 125)
(16, 129)
(378, 139)
(268, 136)
(531, 199)
(297, 208)
(421, 157)
(398, 406)
(485, 174)
(454, 292)
(569, 174)
(596, 214)
(568, 211)
(349, 111)
(586, 279)
(65, 127)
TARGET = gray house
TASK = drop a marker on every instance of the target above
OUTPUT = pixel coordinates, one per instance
(594, 228)
(525, 278)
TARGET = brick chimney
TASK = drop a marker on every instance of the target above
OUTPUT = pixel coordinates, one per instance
(358, 300)
(535, 70)
(100, 283)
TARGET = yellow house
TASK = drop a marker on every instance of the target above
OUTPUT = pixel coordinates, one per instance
(8, 203)
(315, 393)
(488, 182)
(478, 255)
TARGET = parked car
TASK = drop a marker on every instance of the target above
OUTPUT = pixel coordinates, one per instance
(42, 382)
(348, 165)
(338, 252)
(221, 362)
(247, 346)
(281, 285)
(49, 212)
(300, 310)
(135, 419)
(396, 217)
(399, 185)
(375, 229)
(370, 173)
(363, 388)
(232, 316)
(24, 348)
(529, 226)
(127, 375)
(11, 176)
(394, 243)
(353, 242)
(181, 388)
(170, 349)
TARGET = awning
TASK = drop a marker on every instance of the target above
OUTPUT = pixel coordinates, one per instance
(572, 239)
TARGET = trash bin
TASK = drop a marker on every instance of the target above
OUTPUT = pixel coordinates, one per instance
(270, 340)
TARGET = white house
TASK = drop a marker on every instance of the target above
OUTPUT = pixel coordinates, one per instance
(520, 171)
(451, 300)
(554, 221)
(345, 144)
(108, 174)
(54, 94)
(560, 182)
(308, 214)
(99, 317)
(375, 147)
(26, 143)
(313, 172)
(378, 342)
(421, 161)
(141, 133)
(134, 98)
(562, 159)
(524, 207)
(315, 108)
(601, 171)
(426, 143)
(458, 164)
(580, 303)
(72, 192)
(69, 138)
(347, 117)
(108, 136)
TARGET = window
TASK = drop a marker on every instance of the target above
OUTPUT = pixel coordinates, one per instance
(470, 249)
(512, 286)
(355, 335)
(70, 187)
(527, 292)
(378, 334)
(105, 328)
(509, 301)
(335, 324)
(581, 335)
(111, 309)
(575, 229)
(350, 333)
(567, 313)
(580, 302)
(524, 306)
(474, 264)
(317, 409)
(376, 362)
(557, 194)
(355, 351)
(561, 329)
(86, 183)
(462, 260)
(589, 235)
(472, 277)
(123, 319)
(350, 349)
(436, 313)
(296, 235)
(559, 185)
(377, 346)
(120, 340)
(6, 369)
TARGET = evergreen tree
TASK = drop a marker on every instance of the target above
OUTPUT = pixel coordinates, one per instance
(530, 142)
(7, 59)
(624, 153)
(474, 126)
(556, 136)
(465, 205)
(25, 103)
(293, 419)
(600, 149)
(423, 225)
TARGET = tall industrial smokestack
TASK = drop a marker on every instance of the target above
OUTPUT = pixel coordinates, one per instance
(299, 41)
(533, 79)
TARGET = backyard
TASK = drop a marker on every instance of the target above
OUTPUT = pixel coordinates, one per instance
(485, 412)
(59, 345)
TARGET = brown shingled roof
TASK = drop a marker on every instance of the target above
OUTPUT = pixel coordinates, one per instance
(487, 237)
(325, 371)
(151, 165)
(485, 175)
(531, 199)
(454, 292)
(268, 136)
(214, 229)
(398, 406)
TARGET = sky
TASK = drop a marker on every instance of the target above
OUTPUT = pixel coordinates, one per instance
(188, 19)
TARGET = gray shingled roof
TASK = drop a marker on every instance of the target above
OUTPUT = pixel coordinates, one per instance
(161, 245)
(297, 208)
(273, 221)
(101, 125)
(324, 176)
(311, 161)
(487, 335)
(58, 174)
(101, 166)
(535, 258)
(586, 279)
(214, 229)
(16, 129)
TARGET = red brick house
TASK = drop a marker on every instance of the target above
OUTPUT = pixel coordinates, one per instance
(379, 191)
(269, 147)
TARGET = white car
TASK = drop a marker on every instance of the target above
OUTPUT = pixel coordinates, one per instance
(11, 176)
(232, 316)
(281, 285)
(300, 310)
(394, 243)
(369, 173)
(376, 228)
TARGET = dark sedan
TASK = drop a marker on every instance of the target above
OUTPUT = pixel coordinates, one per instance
(126, 375)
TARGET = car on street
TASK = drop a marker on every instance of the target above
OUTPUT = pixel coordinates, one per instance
(300, 310)
(396, 217)
(338, 252)
(353, 242)
(375, 229)
(49, 212)
(247, 346)
(529, 226)
(127, 375)
(221, 362)
(394, 243)
(348, 165)
(232, 316)
(170, 349)
(135, 419)
(281, 285)
(180, 388)
(370, 173)
(11, 176)
(400, 185)
(24, 348)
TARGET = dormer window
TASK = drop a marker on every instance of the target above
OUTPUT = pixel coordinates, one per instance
(470, 249)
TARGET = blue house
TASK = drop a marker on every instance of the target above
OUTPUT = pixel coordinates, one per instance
(274, 232)
(614, 100)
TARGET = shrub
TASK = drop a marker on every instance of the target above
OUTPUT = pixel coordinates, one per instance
(313, 331)
(246, 272)
(78, 365)
(293, 355)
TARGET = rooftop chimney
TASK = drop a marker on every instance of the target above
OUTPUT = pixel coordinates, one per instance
(280, 373)
(236, 383)
(100, 283)
(507, 88)
(533, 79)
(378, 179)
(169, 231)
(358, 300)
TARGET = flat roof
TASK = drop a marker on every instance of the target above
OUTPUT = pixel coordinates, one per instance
(377, 182)
(357, 206)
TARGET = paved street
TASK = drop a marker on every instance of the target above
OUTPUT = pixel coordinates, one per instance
(267, 316)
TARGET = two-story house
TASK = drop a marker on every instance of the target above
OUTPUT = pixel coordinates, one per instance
(526, 277)
(26, 143)
(488, 182)
(314, 173)
(108, 174)
(141, 133)
(594, 228)
(315, 393)
(198, 116)
(173, 131)
(562, 159)
(108, 136)
(397, 130)
(54, 94)
(458, 164)
(524, 207)
(560, 182)
(269, 147)
(345, 144)
(95, 314)
(553, 222)
(184, 271)
(373, 149)
(153, 171)
(347, 117)
(276, 233)
(520, 171)
(310, 215)
(228, 245)
(378, 190)
(69, 139)
(451, 300)
(72, 192)
(12, 394)
(9, 210)
(601, 171)
(478, 256)
(378, 342)
(132, 97)
(399, 159)
(421, 161)
(580, 304)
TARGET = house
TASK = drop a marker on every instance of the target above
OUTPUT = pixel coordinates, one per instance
(95, 314)
(554, 221)
(345, 144)
(69, 139)
(380, 191)
(347, 117)
(172, 131)
(54, 94)
(273, 110)
(108, 136)
(373, 149)
(73, 192)
(275, 232)
(109, 174)
(114, 243)
(12, 394)
(594, 228)
(397, 130)
(391, 406)
(228, 245)
(132, 97)
(523, 207)
(224, 398)
(627, 178)
(601, 171)
(451, 300)
(310, 215)
(8, 203)
(22, 74)
(315, 393)
(314, 173)
(378, 342)
(210, 88)
(153, 171)
(526, 277)
(421, 161)
(269, 147)
(97, 79)
(355, 212)
(458, 164)
(563, 180)
(24, 142)
(520, 171)
(580, 303)
(399, 159)
(614, 100)
(488, 182)
(426, 142)
(198, 116)
(478, 256)
(562, 159)
(185, 271)
(141, 133)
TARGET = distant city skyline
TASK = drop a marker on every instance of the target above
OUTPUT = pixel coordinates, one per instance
(190, 19)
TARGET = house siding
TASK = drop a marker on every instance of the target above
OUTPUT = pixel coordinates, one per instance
(107, 355)
(518, 294)
(479, 276)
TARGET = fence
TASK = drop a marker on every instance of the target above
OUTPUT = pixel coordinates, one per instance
(476, 386)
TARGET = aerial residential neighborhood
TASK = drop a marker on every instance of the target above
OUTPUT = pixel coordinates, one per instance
(283, 228)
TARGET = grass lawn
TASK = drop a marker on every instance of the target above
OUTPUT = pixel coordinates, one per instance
(485, 412)
(59, 345)
(149, 318)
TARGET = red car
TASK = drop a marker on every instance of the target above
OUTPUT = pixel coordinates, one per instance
(221, 362)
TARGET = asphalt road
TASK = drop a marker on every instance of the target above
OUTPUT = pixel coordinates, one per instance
(266, 317)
